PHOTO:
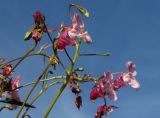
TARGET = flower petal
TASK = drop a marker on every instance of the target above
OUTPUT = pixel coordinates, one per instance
(112, 95)
(14, 95)
(134, 84)
(108, 75)
(131, 68)
(15, 82)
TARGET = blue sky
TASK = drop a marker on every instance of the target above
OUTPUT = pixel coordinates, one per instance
(128, 29)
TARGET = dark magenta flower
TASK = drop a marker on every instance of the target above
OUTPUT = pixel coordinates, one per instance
(38, 18)
(104, 110)
(64, 40)
(104, 88)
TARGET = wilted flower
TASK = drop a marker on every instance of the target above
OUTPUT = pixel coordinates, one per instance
(78, 102)
(104, 110)
(104, 88)
(38, 17)
(127, 78)
(76, 90)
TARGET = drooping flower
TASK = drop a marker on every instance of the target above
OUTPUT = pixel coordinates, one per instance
(38, 18)
(127, 78)
(78, 102)
(76, 90)
(104, 88)
(104, 110)
(70, 34)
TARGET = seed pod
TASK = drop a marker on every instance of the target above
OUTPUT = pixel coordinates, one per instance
(78, 102)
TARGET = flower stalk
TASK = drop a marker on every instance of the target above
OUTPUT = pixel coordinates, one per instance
(65, 82)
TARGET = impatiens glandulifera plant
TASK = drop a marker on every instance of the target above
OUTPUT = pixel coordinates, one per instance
(105, 86)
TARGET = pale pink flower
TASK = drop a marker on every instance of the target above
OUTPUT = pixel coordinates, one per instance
(70, 34)
(127, 78)
(78, 30)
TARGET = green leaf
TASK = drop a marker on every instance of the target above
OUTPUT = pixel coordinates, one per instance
(19, 103)
(82, 10)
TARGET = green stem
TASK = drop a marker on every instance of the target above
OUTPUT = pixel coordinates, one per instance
(7, 107)
(53, 47)
(16, 59)
(48, 79)
(65, 83)
(30, 92)
(105, 54)
(26, 54)
(39, 94)
(68, 55)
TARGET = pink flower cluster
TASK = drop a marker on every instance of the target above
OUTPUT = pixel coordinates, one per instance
(106, 86)
(70, 34)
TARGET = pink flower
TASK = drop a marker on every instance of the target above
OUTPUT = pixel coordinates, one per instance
(78, 30)
(15, 82)
(36, 35)
(70, 34)
(64, 40)
(96, 93)
(38, 17)
(14, 93)
(7, 70)
(104, 88)
(127, 78)
(104, 110)
(131, 67)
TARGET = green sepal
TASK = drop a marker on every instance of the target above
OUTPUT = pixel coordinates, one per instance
(28, 35)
